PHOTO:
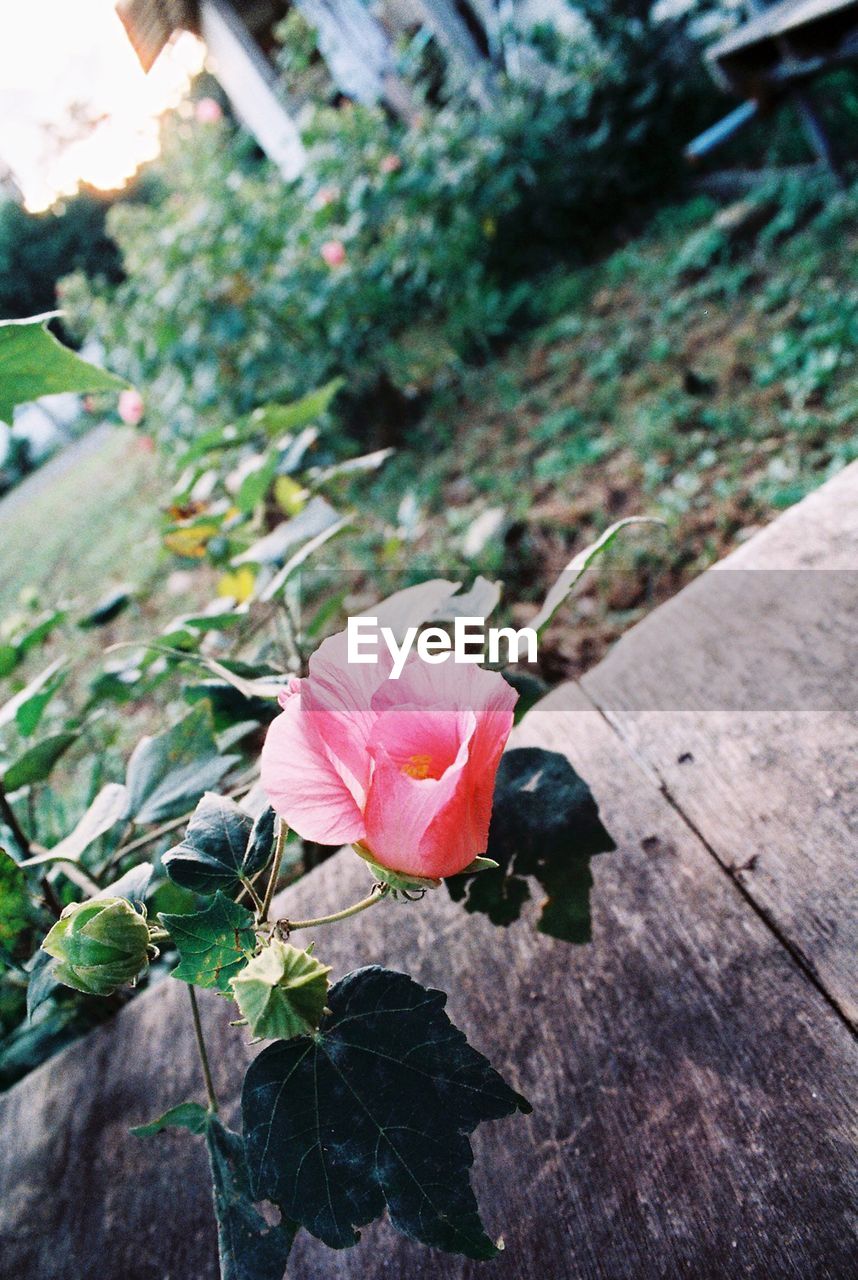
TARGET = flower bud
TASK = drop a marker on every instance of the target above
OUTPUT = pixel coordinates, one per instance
(282, 991)
(101, 945)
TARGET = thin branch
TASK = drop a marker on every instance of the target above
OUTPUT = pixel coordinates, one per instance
(379, 891)
(201, 1048)
(279, 844)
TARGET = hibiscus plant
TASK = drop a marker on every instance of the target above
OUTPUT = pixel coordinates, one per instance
(363, 1095)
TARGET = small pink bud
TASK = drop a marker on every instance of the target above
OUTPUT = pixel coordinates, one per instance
(326, 196)
(334, 253)
(390, 163)
(131, 407)
(208, 111)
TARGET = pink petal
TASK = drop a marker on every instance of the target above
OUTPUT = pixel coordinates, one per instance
(302, 783)
(401, 807)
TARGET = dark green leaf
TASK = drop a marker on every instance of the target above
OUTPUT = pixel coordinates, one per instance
(374, 1112)
(39, 631)
(42, 983)
(214, 944)
(545, 824)
(33, 364)
(187, 1115)
(249, 1247)
(222, 847)
(36, 764)
(16, 912)
(169, 773)
(108, 608)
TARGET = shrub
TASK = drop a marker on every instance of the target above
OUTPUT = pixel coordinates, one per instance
(398, 251)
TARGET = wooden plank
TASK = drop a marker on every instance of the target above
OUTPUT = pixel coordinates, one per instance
(694, 1094)
(740, 696)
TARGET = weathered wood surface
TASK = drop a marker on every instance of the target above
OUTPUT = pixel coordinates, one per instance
(694, 1090)
(741, 696)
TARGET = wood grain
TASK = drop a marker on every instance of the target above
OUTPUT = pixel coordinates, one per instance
(740, 696)
(694, 1094)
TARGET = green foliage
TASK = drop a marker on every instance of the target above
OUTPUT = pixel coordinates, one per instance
(222, 849)
(441, 225)
(187, 1115)
(545, 824)
(213, 944)
(282, 991)
(36, 763)
(249, 1248)
(396, 1089)
(168, 773)
(16, 912)
(37, 249)
(33, 364)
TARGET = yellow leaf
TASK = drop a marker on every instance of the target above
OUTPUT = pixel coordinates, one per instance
(191, 541)
(238, 585)
(291, 497)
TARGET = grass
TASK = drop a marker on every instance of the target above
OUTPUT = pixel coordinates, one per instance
(704, 374)
(86, 521)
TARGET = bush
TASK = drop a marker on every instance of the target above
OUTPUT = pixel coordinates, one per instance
(399, 250)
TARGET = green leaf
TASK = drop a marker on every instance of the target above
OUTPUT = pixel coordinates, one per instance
(42, 983)
(373, 1112)
(277, 419)
(282, 991)
(255, 485)
(9, 659)
(36, 764)
(104, 812)
(28, 704)
(222, 847)
(396, 879)
(545, 824)
(33, 364)
(16, 912)
(187, 1115)
(169, 773)
(214, 944)
(578, 565)
(248, 1246)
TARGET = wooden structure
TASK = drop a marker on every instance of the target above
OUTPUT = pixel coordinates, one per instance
(693, 1071)
(357, 41)
(774, 56)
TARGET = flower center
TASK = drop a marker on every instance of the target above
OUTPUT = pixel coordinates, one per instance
(417, 766)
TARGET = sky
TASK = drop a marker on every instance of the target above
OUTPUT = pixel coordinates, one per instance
(58, 53)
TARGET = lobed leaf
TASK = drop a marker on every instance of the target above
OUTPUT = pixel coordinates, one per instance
(214, 944)
(374, 1112)
(222, 847)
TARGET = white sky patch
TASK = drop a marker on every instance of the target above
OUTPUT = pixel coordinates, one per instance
(56, 53)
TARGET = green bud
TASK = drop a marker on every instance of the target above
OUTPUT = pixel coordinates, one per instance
(282, 991)
(101, 945)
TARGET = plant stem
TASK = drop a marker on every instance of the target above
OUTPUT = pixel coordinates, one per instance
(8, 815)
(201, 1046)
(280, 841)
(378, 892)
(166, 827)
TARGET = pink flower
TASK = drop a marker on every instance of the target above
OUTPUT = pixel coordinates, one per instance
(390, 163)
(208, 111)
(406, 768)
(131, 407)
(334, 253)
(326, 196)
